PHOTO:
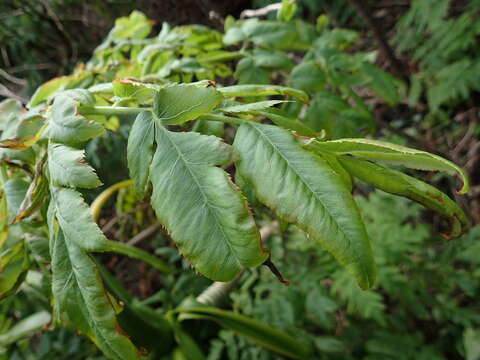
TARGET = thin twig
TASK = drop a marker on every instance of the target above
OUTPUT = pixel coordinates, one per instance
(12, 78)
(260, 12)
(144, 234)
(4, 91)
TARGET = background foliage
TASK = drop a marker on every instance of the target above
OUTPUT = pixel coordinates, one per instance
(424, 303)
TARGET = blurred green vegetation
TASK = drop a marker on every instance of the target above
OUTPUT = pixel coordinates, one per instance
(424, 305)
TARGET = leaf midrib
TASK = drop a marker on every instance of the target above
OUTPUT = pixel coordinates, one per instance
(205, 197)
(302, 179)
(92, 322)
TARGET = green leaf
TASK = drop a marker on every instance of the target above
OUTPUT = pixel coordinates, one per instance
(80, 299)
(308, 76)
(9, 108)
(248, 72)
(35, 196)
(302, 188)
(196, 201)
(25, 328)
(262, 90)
(251, 329)
(245, 108)
(140, 150)
(397, 183)
(218, 56)
(75, 219)
(177, 104)
(471, 342)
(271, 59)
(135, 26)
(14, 265)
(133, 90)
(279, 118)
(287, 11)
(394, 154)
(65, 124)
(15, 191)
(187, 344)
(47, 89)
(67, 167)
(382, 84)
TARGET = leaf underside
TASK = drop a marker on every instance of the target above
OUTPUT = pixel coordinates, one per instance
(397, 183)
(394, 154)
(302, 188)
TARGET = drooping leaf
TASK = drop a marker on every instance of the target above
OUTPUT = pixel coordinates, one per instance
(394, 154)
(67, 167)
(251, 329)
(15, 191)
(397, 183)
(302, 188)
(140, 150)
(180, 103)
(65, 124)
(262, 90)
(80, 299)
(196, 201)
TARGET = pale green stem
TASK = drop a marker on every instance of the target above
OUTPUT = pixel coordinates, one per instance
(139, 254)
(223, 118)
(104, 196)
(111, 110)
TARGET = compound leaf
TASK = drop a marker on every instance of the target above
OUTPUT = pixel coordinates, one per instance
(196, 201)
(302, 188)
